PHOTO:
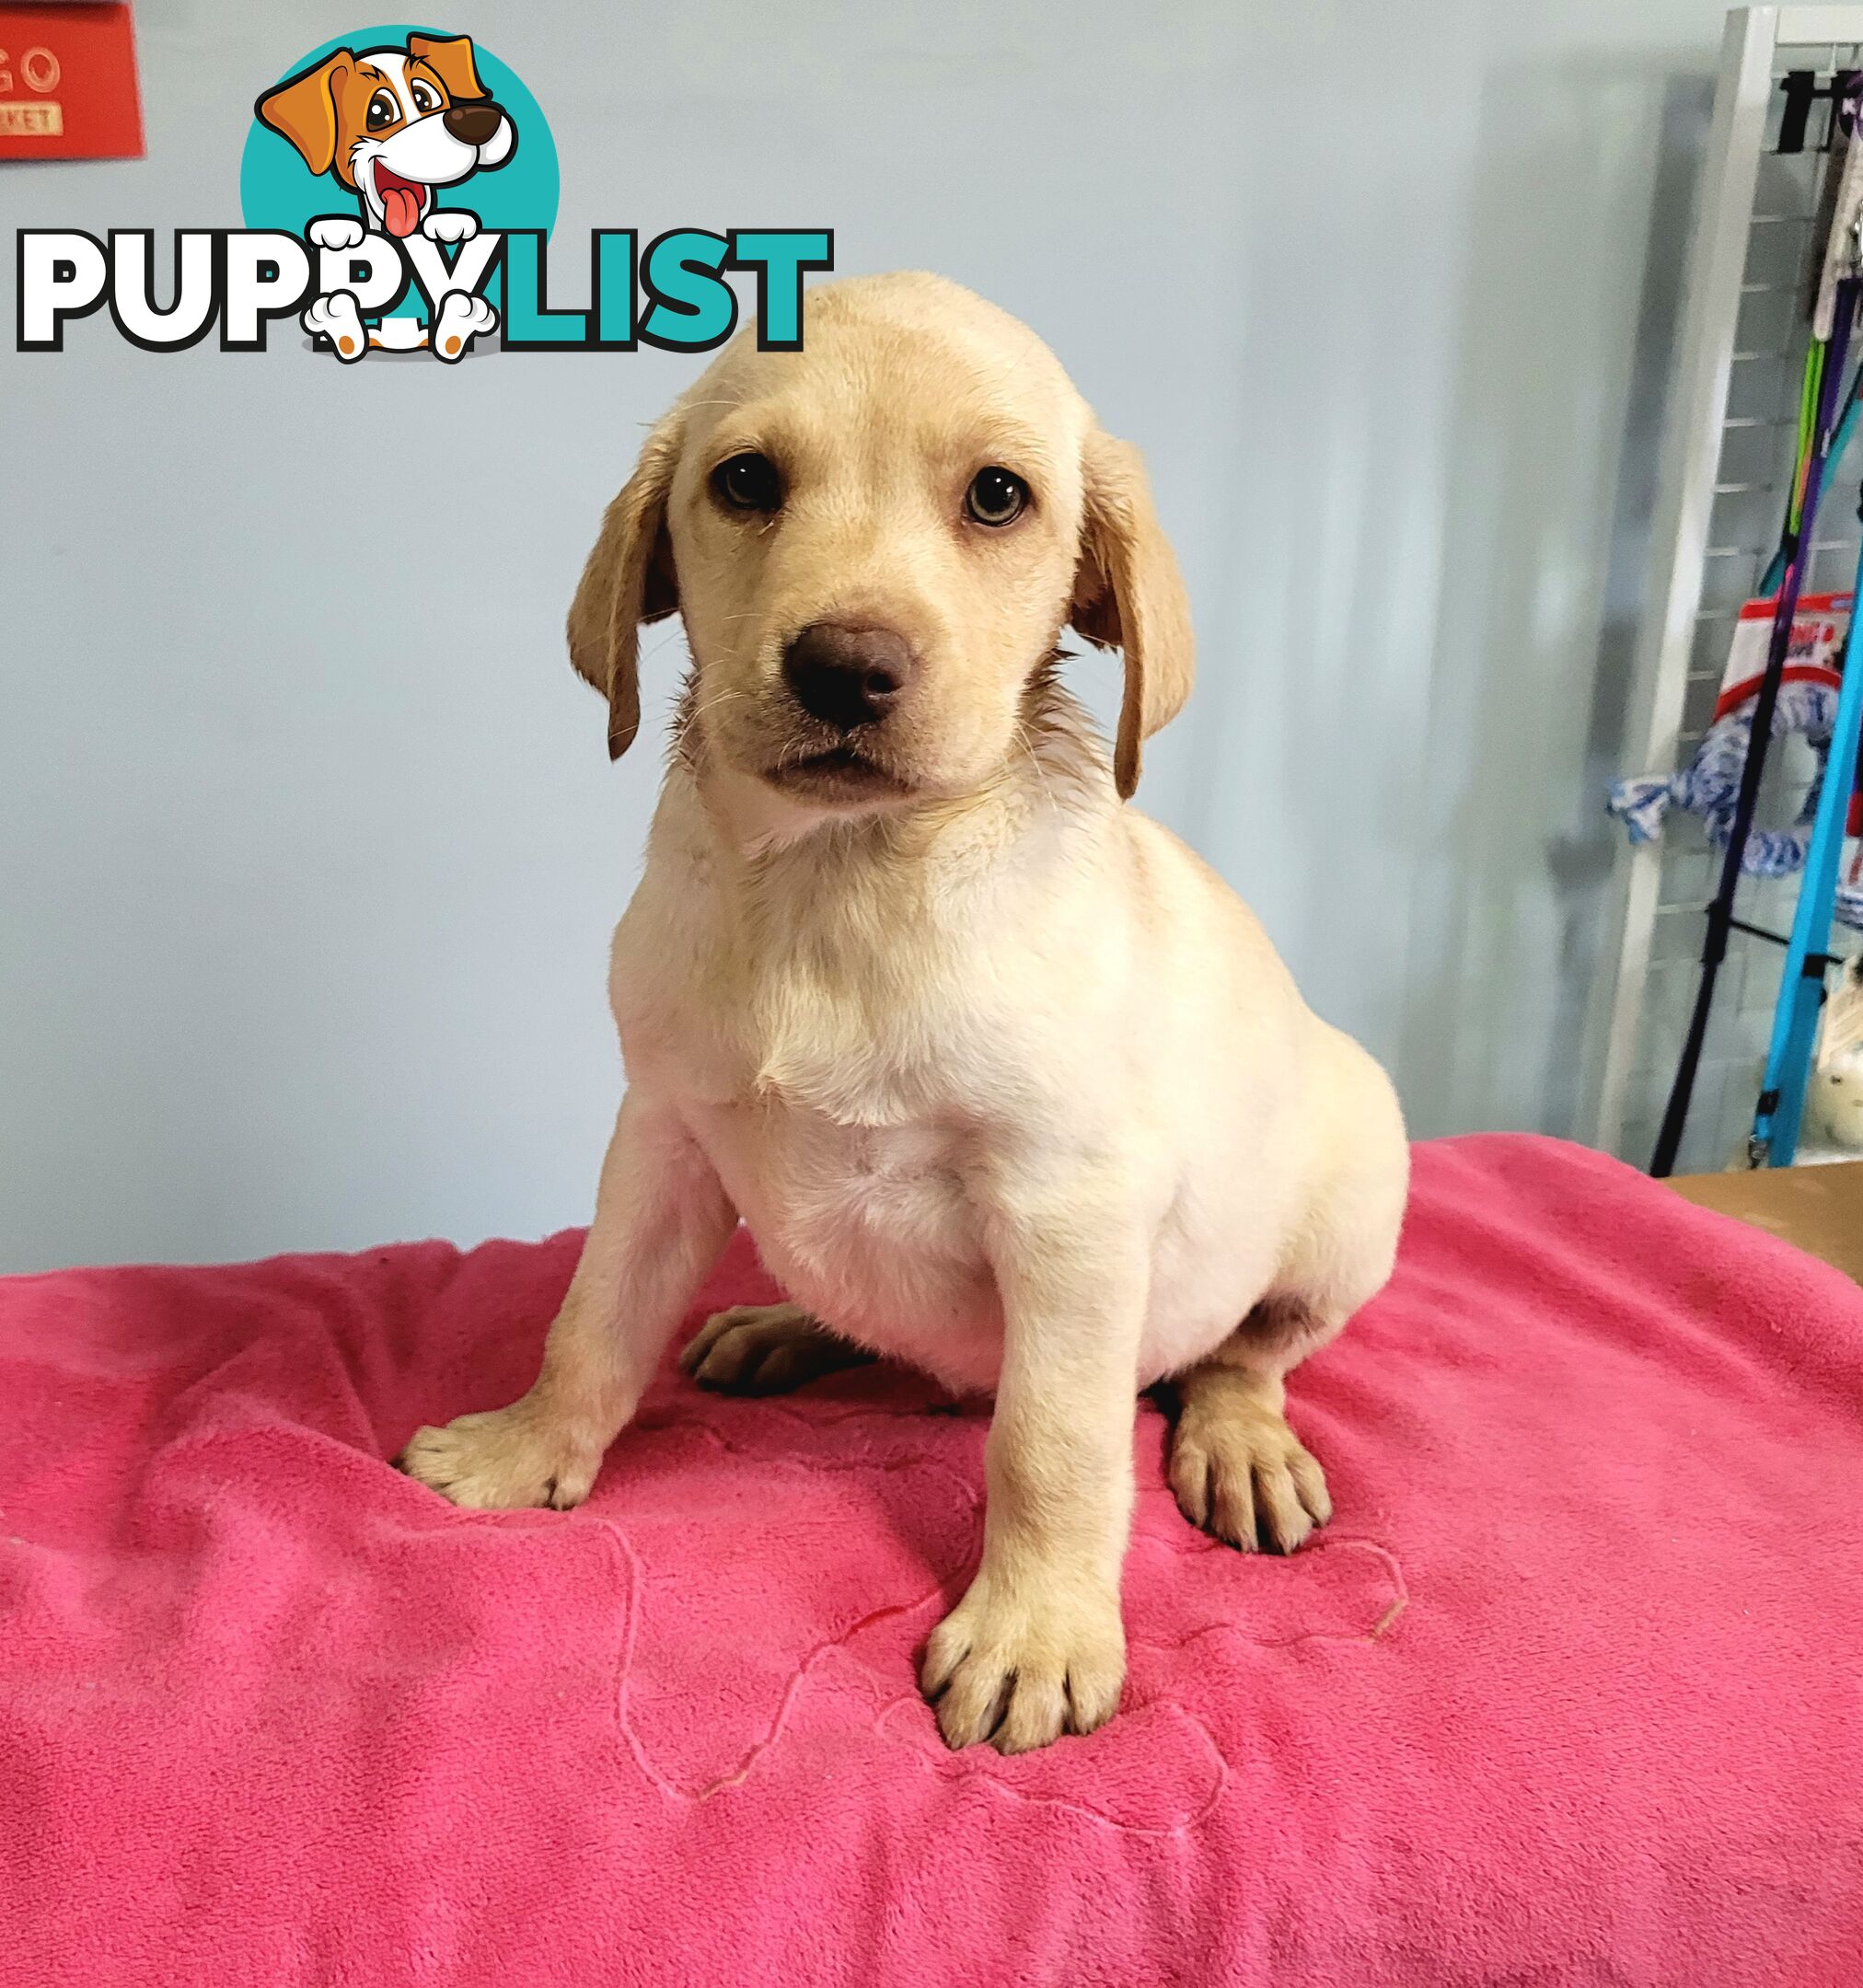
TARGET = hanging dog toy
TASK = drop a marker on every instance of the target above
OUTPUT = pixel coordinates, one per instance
(1806, 704)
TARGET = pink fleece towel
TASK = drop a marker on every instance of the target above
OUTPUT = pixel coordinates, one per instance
(1569, 1692)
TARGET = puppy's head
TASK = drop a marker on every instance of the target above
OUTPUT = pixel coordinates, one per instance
(392, 124)
(875, 543)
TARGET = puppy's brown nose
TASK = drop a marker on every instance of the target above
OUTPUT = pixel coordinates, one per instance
(847, 676)
(472, 124)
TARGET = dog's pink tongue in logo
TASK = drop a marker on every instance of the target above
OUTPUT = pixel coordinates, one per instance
(400, 201)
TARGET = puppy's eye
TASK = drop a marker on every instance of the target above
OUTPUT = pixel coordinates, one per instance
(996, 496)
(424, 99)
(383, 110)
(748, 483)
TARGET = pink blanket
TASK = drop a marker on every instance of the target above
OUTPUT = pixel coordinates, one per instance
(1571, 1691)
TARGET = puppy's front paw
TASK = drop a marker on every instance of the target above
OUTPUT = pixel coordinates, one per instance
(450, 224)
(335, 231)
(1019, 1670)
(504, 1458)
(1238, 1471)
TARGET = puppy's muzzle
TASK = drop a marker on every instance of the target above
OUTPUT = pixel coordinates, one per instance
(847, 676)
(473, 124)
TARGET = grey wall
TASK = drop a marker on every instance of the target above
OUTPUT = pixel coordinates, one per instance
(308, 845)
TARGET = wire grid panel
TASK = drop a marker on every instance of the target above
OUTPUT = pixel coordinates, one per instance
(1752, 471)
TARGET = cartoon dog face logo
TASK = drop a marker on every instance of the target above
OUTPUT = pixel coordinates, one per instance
(393, 124)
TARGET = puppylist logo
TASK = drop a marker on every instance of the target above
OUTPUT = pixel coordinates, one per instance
(399, 190)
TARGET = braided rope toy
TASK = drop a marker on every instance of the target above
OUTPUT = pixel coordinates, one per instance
(1708, 787)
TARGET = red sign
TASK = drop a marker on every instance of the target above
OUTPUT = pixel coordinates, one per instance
(68, 83)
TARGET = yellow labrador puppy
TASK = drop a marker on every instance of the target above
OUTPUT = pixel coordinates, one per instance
(1005, 1082)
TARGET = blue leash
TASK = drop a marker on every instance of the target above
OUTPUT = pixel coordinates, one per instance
(1802, 986)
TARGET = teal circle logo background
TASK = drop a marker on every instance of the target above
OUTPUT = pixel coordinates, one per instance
(277, 189)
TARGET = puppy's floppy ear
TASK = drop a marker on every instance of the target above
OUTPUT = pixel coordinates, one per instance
(450, 59)
(1129, 595)
(303, 109)
(628, 580)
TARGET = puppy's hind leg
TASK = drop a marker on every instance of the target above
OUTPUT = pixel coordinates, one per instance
(461, 319)
(1237, 1470)
(337, 318)
(765, 1349)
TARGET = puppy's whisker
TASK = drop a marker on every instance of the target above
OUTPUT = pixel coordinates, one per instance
(660, 642)
(1028, 745)
(695, 712)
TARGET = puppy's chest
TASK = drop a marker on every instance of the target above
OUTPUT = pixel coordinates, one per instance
(874, 1228)
(813, 1177)
(845, 1138)
(833, 1127)
(799, 1033)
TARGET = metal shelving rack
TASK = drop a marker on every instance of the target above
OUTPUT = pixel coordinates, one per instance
(1726, 459)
